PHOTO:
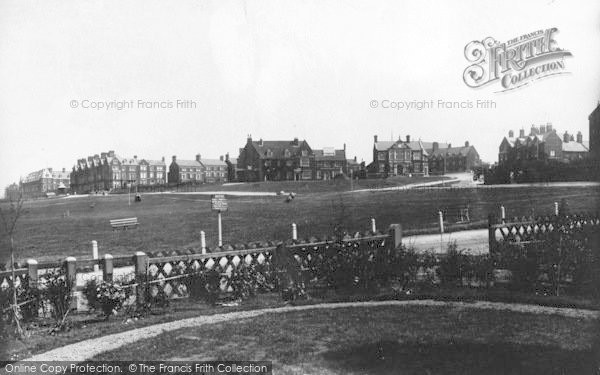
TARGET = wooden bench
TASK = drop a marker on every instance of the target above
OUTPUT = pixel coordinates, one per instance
(124, 223)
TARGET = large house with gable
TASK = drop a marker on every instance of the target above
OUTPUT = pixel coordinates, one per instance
(275, 161)
(394, 158)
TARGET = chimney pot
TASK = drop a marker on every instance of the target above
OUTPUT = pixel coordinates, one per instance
(221, 157)
(407, 138)
(436, 146)
(522, 133)
(163, 159)
(197, 157)
(174, 158)
(579, 137)
(511, 134)
(466, 143)
(566, 137)
(375, 138)
(449, 145)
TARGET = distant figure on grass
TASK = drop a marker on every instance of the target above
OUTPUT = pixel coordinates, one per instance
(290, 197)
(138, 198)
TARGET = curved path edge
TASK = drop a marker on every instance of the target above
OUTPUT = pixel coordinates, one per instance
(84, 350)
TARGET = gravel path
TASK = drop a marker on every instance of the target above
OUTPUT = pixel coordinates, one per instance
(87, 349)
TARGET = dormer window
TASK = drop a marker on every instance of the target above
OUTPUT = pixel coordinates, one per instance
(287, 153)
(269, 153)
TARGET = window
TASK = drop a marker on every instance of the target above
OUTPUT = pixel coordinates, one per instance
(304, 162)
(552, 153)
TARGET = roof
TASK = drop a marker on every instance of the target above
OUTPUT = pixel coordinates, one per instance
(574, 147)
(384, 145)
(329, 154)
(462, 151)
(278, 148)
(418, 145)
(63, 175)
(155, 162)
(187, 163)
(429, 145)
(213, 162)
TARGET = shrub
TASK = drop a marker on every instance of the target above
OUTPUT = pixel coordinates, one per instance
(452, 267)
(105, 296)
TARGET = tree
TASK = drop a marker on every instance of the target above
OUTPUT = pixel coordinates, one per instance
(8, 223)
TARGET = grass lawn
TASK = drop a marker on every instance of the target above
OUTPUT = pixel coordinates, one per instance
(89, 325)
(173, 221)
(385, 340)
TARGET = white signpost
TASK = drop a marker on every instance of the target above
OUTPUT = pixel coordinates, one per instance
(219, 204)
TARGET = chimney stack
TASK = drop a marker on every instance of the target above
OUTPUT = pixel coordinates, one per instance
(174, 158)
(511, 134)
(344, 147)
(407, 138)
(135, 157)
(197, 157)
(221, 157)
(355, 159)
(449, 145)
(522, 133)
(111, 154)
(163, 159)
(103, 155)
(542, 129)
(579, 137)
(549, 127)
(436, 146)
(295, 142)
(249, 139)
(227, 156)
(64, 170)
(375, 138)
(466, 143)
(566, 137)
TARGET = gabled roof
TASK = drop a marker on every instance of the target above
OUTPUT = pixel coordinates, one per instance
(212, 162)
(384, 145)
(277, 148)
(574, 147)
(187, 163)
(429, 145)
(61, 175)
(154, 162)
(418, 145)
(330, 154)
(462, 151)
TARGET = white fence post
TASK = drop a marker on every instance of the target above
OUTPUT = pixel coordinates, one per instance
(556, 208)
(441, 215)
(95, 254)
(502, 213)
(203, 241)
(294, 232)
(373, 226)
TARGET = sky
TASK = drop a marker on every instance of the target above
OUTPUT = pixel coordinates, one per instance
(273, 70)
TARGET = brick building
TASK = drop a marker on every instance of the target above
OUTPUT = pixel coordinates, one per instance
(450, 159)
(393, 158)
(542, 143)
(183, 171)
(109, 171)
(275, 160)
(329, 163)
(594, 144)
(41, 183)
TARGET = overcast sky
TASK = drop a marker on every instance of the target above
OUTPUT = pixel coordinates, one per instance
(273, 69)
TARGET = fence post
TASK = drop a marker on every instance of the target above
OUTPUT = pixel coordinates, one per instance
(491, 233)
(140, 260)
(71, 278)
(203, 241)
(556, 208)
(294, 232)
(396, 235)
(95, 254)
(32, 272)
(502, 213)
(107, 270)
(373, 226)
(441, 215)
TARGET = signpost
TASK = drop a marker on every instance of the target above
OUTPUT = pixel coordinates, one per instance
(219, 204)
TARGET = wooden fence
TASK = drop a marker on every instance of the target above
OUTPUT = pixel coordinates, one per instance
(166, 272)
(520, 231)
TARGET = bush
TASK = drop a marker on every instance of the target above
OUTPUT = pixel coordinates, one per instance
(204, 284)
(104, 296)
(452, 267)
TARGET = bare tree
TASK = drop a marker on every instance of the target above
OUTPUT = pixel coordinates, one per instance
(8, 220)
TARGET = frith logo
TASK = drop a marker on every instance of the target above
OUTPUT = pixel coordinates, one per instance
(515, 63)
